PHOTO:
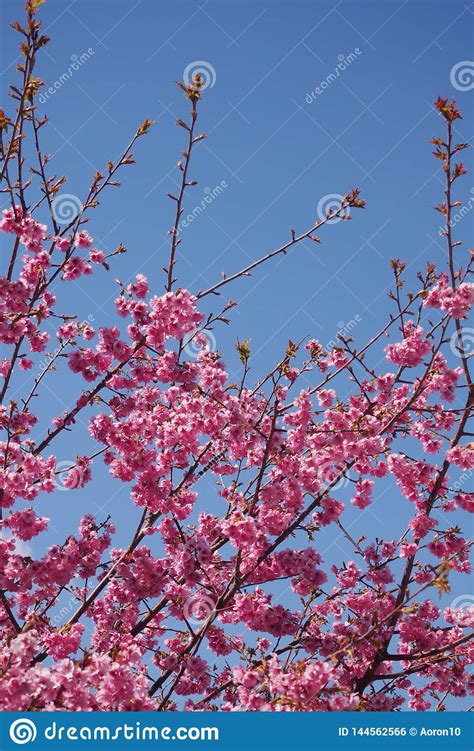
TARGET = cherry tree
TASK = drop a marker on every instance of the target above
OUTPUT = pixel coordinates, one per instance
(185, 615)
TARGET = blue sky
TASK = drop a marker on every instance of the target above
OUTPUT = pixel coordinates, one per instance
(274, 146)
(276, 153)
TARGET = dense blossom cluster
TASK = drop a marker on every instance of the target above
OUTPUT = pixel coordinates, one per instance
(224, 597)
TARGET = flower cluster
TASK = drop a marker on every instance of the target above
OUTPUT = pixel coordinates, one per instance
(242, 584)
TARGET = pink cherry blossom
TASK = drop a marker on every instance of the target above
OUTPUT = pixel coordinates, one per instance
(244, 573)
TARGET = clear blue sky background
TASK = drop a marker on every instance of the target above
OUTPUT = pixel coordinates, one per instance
(278, 155)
